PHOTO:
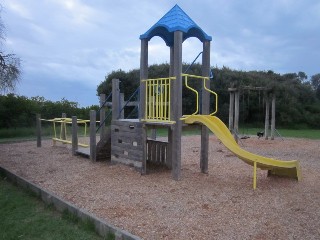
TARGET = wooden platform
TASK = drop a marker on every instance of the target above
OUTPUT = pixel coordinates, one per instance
(85, 152)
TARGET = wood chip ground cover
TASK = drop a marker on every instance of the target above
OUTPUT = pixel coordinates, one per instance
(217, 205)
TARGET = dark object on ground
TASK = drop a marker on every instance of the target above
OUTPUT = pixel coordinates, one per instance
(260, 134)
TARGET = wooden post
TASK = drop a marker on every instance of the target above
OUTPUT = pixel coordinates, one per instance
(236, 116)
(122, 103)
(267, 117)
(63, 132)
(273, 115)
(102, 115)
(142, 113)
(205, 107)
(38, 123)
(153, 133)
(115, 99)
(144, 153)
(143, 76)
(231, 110)
(74, 135)
(93, 141)
(176, 106)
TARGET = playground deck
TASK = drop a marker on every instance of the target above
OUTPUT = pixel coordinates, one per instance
(219, 205)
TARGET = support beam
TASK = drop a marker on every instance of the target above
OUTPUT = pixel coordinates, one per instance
(273, 115)
(236, 115)
(170, 138)
(205, 107)
(142, 106)
(102, 115)
(267, 118)
(122, 103)
(176, 106)
(231, 110)
(38, 122)
(63, 130)
(115, 99)
(93, 140)
(74, 135)
(143, 75)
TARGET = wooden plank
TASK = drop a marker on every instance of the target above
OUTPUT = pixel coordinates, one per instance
(126, 161)
(131, 152)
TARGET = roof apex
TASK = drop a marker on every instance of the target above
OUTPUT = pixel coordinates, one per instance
(175, 20)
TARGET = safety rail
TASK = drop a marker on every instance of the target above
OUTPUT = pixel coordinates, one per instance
(157, 105)
(63, 129)
(186, 78)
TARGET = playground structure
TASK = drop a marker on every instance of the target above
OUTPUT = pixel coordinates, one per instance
(160, 106)
(269, 96)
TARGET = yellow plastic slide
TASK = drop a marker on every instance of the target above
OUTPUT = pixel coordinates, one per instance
(275, 167)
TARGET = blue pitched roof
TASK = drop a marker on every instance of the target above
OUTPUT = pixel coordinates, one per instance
(175, 20)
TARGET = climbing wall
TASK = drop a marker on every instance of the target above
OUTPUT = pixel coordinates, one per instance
(126, 142)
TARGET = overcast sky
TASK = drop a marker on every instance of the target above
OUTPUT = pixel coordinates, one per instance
(68, 46)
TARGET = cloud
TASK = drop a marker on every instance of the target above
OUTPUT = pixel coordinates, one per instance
(79, 42)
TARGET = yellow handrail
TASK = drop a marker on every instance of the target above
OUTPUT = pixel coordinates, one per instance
(193, 90)
(215, 94)
(197, 94)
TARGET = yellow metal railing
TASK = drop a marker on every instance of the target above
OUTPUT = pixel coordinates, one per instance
(63, 129)
(157, 105)
(204, 79)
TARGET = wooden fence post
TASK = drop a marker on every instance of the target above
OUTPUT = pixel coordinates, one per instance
(93, 143)
(63, 133)
(38, 122)
(102, 115)
(74, 135)
(273, 115)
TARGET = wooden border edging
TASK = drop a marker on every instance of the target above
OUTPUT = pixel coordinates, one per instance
(101, 227)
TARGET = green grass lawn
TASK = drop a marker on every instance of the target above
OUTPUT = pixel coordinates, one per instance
(23, 216)
(21, 134)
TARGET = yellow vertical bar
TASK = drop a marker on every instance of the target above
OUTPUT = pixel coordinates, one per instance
(85, 129)
(254, 175)
(162, 86)
(152, 109)
(65, 129)
(150, 99)
(165, 100)
(158, 101)
(61, 129)
(146, 100)
(169, 100)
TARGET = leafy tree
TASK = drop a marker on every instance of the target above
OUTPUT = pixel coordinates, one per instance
(315, 82)
(9, 65)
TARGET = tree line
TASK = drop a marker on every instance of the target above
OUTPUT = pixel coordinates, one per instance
(20, 111)
(297, 97)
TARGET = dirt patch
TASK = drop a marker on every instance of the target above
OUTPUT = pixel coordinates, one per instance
(217, 205)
